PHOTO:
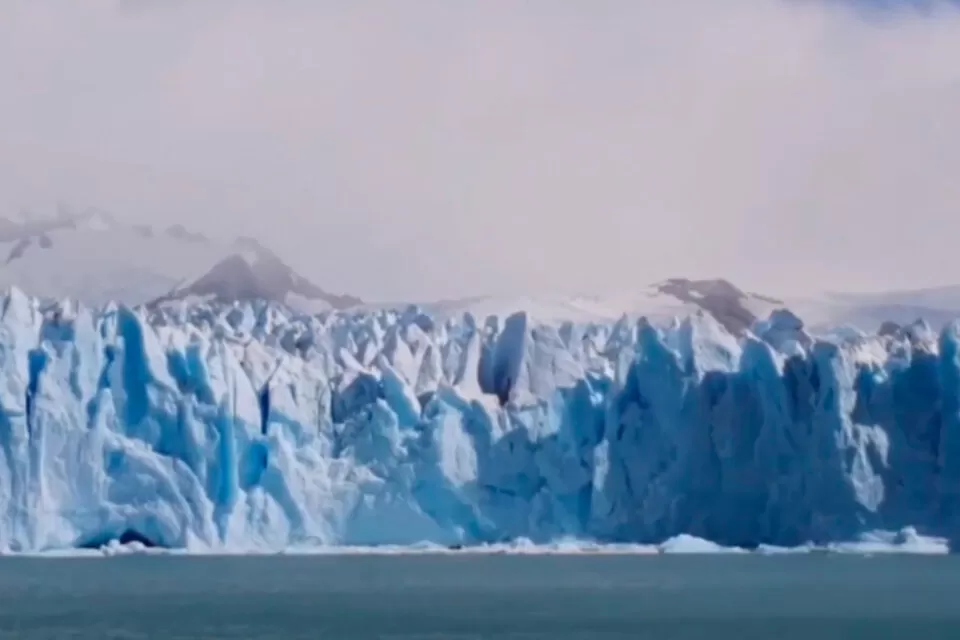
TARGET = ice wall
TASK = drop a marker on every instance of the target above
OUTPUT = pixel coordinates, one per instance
(216, 427)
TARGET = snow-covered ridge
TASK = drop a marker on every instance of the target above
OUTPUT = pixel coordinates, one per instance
(255, 273)
(94, 257)
(248, 427)
(734, 308)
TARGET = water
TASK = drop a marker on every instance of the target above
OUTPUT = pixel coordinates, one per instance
(466, 596)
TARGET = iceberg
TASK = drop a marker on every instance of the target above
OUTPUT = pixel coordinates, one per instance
(246, 427)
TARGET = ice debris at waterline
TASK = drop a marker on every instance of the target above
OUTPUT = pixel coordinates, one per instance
(243, 427)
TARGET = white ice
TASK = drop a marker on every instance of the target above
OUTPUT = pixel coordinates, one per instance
(247, 428)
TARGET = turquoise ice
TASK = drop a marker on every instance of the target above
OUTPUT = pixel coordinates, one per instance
(246, 427)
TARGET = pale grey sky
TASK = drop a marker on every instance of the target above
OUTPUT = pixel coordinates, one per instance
(435, 148)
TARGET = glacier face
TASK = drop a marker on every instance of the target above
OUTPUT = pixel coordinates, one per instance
(246, 428)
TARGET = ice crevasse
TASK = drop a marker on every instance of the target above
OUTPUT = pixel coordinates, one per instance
(245, 427)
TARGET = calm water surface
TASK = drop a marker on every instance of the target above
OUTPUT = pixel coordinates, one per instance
(460, 597)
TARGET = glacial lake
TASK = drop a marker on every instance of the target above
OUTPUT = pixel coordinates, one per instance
(469, 596)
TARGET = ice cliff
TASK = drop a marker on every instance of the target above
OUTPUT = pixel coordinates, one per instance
(246, 427)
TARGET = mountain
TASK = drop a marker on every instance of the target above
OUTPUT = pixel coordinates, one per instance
(734, 308)
(256, 273)
(95, 258)
(936, 306)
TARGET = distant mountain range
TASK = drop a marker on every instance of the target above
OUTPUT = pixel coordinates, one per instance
(94, 257)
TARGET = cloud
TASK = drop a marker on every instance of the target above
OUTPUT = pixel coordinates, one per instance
(447, 148)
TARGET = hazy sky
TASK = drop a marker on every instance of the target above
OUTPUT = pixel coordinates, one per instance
(450, 147)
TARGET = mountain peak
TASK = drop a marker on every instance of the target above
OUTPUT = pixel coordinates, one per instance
(93, 257)
(256, 273)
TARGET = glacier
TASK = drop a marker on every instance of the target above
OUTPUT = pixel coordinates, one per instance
(248, 427)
